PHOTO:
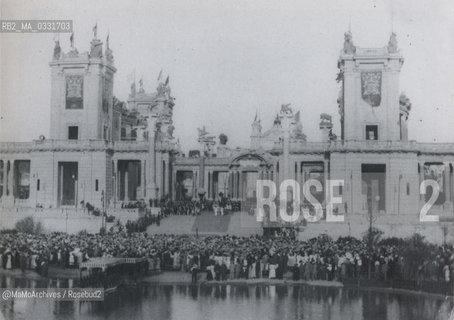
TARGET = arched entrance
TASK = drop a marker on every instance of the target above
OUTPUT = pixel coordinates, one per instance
(244, 171)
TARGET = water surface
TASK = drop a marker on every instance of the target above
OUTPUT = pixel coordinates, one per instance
(222, 301)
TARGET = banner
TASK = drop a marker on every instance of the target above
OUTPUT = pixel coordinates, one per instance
(371, 87)
(74, 91)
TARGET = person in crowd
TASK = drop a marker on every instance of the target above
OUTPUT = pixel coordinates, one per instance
(194, 270)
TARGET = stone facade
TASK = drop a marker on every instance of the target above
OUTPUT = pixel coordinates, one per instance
(108, 153)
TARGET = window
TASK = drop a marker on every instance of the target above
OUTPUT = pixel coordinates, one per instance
(96, 185)
(371, 132)
(73, 132)
(408, 188)
(37, 184)
(21, 179)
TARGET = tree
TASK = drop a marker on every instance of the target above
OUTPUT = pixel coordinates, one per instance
(28, 225)
(415, 251)
(223, 139)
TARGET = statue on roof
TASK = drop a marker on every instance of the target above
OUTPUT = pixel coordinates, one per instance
(285, 108)
(141, 90)
(96, 48)
(71, 40)
(163, 88)
(170, 130)
(297, 117)
(57, 50)
(133, 89)
(325, 117)
(392, 43)
(109, 54)
(202, 132)
(349, 47)
(223, 139)
(297, 131)
(405, 105)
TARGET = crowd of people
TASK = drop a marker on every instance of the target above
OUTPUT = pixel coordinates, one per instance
(141, 224)
(196, 207)
(231, 257)
(184, 207)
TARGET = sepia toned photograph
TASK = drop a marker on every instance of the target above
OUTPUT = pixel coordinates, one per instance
(206, 159)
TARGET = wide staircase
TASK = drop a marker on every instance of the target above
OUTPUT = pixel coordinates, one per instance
(237, 223)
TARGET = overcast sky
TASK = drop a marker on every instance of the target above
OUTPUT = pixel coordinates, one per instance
(228, 59)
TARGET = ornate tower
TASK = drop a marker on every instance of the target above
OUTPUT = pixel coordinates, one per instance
(82, 92)
(155, 125)
(369, 98)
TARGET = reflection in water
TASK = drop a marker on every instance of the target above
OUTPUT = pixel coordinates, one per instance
(221, 301)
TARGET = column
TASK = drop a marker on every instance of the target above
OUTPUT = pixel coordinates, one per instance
(212, 188)
(325, 171)
(240, 184)
(295, 171)
(298, 173)
(12, 182)
(126, 182)
(234, 184)
(116, 177)
(276, 173)
(451, 183)
(298, 179)
(231, 184)
(5, 178)
(158, 173)
(151, 164)
(238, 189)
(421, 178)
(208, 189)
(174, 184)
(193, 181)
(142, 178)
(242, 174)
(167, 176)
(447, 182)
(60, 189)
(202, 171)
(234, 179)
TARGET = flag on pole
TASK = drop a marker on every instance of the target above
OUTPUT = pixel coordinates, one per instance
(95, 30)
